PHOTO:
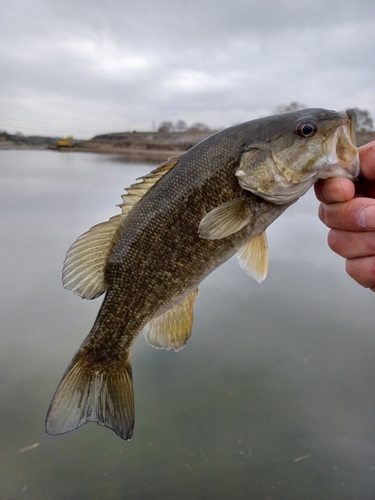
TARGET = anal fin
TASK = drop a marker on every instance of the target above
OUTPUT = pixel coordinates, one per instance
(172, 329)
(253, 257)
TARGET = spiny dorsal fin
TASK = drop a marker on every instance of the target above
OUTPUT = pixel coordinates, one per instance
(172, 329)
(253, 257)
(85, 261)
(136, 191)
(225, 219)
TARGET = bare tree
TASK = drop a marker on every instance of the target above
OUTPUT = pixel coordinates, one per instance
(199, 127)
(293, 106)
(180, 126)
(165, 127)
(364, 120)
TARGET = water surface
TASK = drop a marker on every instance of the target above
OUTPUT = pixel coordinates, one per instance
(272, 398)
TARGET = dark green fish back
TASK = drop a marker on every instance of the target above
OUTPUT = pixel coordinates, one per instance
(159, 255)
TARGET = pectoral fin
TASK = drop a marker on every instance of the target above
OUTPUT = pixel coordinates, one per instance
(172, 329)
(226, 219)
(253, 257)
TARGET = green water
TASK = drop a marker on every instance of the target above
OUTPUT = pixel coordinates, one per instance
(272, 398)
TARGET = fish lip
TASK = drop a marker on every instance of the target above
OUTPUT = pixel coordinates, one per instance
(350, 118)
(347, 129)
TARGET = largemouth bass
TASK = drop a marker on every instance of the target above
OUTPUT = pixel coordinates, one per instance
(177, 225)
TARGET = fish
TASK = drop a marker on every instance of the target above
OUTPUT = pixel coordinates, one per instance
(177, 225)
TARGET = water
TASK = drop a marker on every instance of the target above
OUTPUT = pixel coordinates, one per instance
(272, 398)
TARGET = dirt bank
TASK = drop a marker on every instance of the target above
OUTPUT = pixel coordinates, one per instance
(146, 146)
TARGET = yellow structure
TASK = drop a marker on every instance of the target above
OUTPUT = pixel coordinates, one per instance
(68, 142)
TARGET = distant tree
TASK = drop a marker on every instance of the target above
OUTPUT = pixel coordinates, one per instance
(180, 126)
(165, 127)
(364, 120)
(293, 106)
(199, 127)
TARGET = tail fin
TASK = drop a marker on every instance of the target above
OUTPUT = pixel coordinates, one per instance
(88, 394)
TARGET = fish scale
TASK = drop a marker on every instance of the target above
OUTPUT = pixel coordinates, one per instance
(177, 225)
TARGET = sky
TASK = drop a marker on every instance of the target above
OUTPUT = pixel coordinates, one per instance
(82, 68)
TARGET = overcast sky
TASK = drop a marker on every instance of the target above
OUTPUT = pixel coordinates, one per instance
(89, 67)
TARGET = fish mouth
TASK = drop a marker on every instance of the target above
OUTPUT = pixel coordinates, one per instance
(346, 147)
(350, 116)
(341, 150)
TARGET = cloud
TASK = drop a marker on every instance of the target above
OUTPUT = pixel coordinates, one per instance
(88, 67)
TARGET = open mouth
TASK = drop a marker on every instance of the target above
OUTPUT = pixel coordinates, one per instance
(346, 148)
(351, 116)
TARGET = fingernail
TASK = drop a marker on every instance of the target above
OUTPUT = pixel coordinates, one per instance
(367, 217)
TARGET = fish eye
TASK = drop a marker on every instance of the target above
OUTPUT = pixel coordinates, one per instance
(307, 129)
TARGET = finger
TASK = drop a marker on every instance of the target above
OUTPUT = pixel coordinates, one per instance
(367, 160)
(362, 270)
(355, 215)
(340, 189)
(337, 189)
(351, 244)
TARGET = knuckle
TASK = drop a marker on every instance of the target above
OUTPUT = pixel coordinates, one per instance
(334, 241)
(362, 270)
(348, 216)
(322, 213)
(370, 241)
(351, 268)
(371, 267)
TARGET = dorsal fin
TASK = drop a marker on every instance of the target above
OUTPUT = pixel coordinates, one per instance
(253, 257)
(85, 261)
(136, 191)
(172, 329)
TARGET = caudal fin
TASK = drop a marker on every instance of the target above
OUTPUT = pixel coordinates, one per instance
(88, 394)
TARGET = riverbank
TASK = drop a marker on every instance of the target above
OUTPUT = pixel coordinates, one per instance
(153, 146)
(149, 146)
(156, 145)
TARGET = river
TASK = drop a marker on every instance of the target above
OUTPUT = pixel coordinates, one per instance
(272, 398)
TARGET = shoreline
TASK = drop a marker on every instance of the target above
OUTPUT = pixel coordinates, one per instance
(159, 155)
(140, 146)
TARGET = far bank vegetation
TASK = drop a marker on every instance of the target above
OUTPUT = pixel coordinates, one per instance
(167, 139)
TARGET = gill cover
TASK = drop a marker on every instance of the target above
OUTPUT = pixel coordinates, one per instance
(314, 144)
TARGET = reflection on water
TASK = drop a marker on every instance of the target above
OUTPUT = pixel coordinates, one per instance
(273, 397)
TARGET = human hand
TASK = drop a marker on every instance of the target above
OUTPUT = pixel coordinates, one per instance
(349, 210)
